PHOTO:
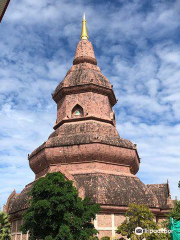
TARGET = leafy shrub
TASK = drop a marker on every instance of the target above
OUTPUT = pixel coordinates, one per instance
(5, 227)
(105, 238)
(56, 211)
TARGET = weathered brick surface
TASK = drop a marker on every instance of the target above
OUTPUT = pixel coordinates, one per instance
(162, 192)
(117, 190)
(104, 220)
(91, 167)
(93, 104)
(84, 71)
(78, 142)
(105, 189)
(18, 203)
(83, 74)
(84, 53)
(104, 233)
(84, 153)
(61, 109)
(88, 127)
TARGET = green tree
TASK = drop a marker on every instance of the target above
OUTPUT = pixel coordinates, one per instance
(94, 238)
(5, 226)
(57, 213)
(139, 216)
(175, 214)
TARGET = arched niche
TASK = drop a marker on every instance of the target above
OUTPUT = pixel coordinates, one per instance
(77, 111)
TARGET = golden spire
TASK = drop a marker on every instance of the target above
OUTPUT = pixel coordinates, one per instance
(84, 34)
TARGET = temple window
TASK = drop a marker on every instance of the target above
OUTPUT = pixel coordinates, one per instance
(77, 112)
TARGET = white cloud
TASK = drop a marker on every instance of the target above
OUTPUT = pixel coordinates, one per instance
(137, 49)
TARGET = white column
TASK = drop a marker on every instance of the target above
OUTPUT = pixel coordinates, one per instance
(113, 226)
(95, 223)
(27, 235)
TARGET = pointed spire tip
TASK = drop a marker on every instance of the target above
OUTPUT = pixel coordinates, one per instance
(84, 16)
(84, 33)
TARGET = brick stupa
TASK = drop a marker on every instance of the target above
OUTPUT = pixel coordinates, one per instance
(86, 147)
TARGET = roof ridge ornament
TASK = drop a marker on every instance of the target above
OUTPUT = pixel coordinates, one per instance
(84, 33)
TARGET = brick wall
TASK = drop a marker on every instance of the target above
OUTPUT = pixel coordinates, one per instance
(107, 224)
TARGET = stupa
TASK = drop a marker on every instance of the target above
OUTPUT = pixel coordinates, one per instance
(86, 147)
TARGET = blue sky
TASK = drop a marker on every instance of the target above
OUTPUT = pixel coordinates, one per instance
(137, 47)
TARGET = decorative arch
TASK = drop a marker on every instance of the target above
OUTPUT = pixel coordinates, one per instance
(77, 111)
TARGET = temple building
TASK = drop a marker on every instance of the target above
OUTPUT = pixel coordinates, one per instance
(3, 7)
(85, 146)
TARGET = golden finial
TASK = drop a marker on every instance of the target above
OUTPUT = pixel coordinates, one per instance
(84, 34)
